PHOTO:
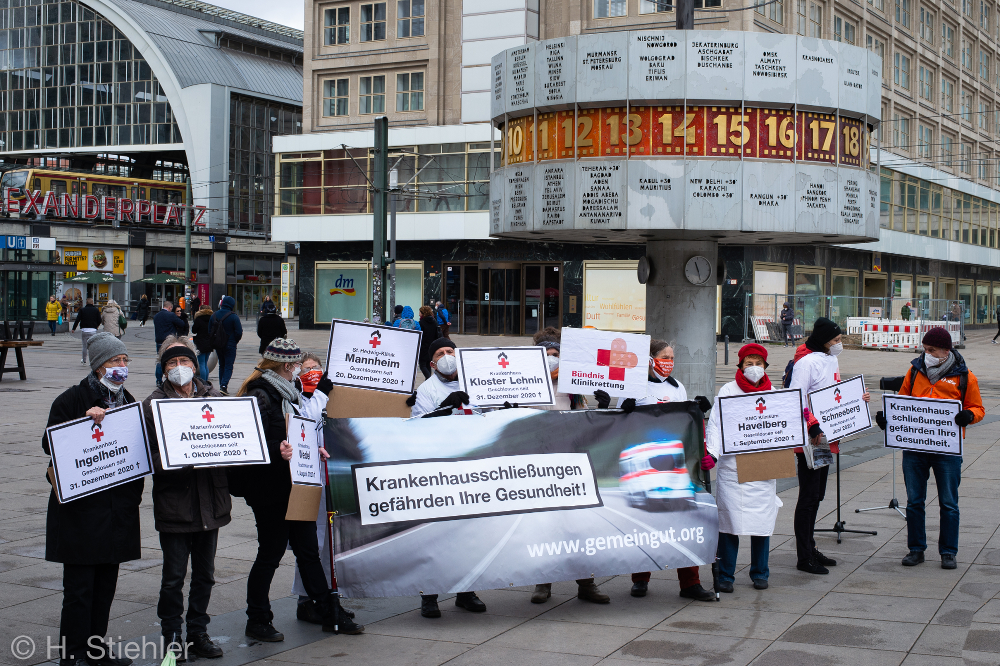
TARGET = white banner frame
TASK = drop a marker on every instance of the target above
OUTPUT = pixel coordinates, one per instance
(343, 378)
(500, 356)
(165, 446)
(907, 398)
(56, 444)
(303, 426)
(833, 389)
(752, 398)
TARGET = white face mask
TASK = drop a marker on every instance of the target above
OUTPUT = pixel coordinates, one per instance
(447, 365)
(181, 375)
(754, 373)
(553, 363)
(933, 361)
(296, 371)
(836, 349)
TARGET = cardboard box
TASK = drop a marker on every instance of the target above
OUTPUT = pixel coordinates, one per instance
(303, 503)
(354, 403)
(765, 465)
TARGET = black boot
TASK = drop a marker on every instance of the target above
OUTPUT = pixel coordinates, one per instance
(335, 619)
(175, 643)
(470, 602)
(306, 612)
(264, 632)
(429, 606)
(202, 646)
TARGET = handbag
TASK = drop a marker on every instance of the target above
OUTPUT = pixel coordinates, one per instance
(59, 319)
(122, 322)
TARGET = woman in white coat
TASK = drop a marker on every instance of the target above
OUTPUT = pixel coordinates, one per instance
(744, 508)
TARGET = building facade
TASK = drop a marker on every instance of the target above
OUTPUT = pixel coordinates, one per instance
(934, 154)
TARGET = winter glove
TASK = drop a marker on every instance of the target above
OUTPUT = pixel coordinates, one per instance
(880, 419)
(704, 404)
(508, 405)
(628, 405)
(325, 386)
(603, 399)
(708, 462)
(412, 400)
(455, 400)
(815, 431)
(964, 418)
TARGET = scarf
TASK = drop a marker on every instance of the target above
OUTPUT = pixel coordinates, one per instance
(936, 373)
(109, 399)
(747, 387)
(289, 396)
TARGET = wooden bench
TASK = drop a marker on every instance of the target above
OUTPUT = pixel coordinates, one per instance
(17, 346)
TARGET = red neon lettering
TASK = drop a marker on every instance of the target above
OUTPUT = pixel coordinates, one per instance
(71, 205)
(51, 203)
(125, 209)
(142, 210)
(91, 207)
(32, 202)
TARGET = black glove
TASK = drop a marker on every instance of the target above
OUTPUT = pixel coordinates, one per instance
(964, 418)
(815, 431)
(704, 404)
(507, 405)
(455, 400)
(412, 400)
(325, 385)
(628, 405)
(603, 399)
(880, 419)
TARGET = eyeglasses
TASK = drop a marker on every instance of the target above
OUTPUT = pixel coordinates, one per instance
(120, 360)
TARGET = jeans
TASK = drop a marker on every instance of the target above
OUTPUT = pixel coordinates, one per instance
(84, 339)
(177, 548)
(226, 362)
(159, 370)
(812, 490)
(786, 333)
(52, 326)
(998, 330)
(686, 576)
(729, 546)
(947, 475)
(88, 591)
(203, 366)
(273, 534)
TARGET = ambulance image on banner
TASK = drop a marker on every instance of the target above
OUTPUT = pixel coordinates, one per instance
(654, 476)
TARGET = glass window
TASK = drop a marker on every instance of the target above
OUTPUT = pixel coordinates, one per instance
(924, 142)
(610, 8)
(926, 83)
(903, 13)
(773, 11)
(901, 70)
(877, 46)
(844, 30)
(984, 15)
(409, 18)
(947, 40)
(926, 26)
(410, 91)
(338, 26)
(335, 96)
(371, 95)
(984, 66)
(373, 22)
(947, 95)
(877, 4)
(657, 6)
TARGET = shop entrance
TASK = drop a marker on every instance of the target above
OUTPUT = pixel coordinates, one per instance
(500, 306)
(461, 297)
(502, 298)
(542, 289)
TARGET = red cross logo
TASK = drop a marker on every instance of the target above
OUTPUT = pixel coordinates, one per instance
(760, 406)
(836, 395)
(617, 359)
(303, 433)
(208, 415)
(97, 433)
(376, 340)
(503, 362)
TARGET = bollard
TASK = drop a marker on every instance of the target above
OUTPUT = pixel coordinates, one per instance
(726, 357)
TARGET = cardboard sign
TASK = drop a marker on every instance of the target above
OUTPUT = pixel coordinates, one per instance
(761, 421)
(88, 458)
(765, 465)
(209, 432)
(352, 403)
(591, 360)
(307, 468)
(922, 424)
(372, 356)
(494, 375)
(840, 409)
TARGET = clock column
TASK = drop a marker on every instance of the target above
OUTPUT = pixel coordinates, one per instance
(682, 312)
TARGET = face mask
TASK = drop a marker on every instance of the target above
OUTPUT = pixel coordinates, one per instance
(754, 373)
(310, 380)
(553, 363)
(933, 361)
(836, 349)
(296, 371)
(447, 365)
(118, 375)
(181, 375)
(662, 366)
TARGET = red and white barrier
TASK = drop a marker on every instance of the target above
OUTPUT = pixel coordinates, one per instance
(899, 334)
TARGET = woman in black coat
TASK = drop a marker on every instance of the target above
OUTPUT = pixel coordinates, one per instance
(92, 535)
(428, 324)
(270, 326)
(142, 310)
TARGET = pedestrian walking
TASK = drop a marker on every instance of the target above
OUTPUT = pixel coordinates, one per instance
(189, 507)
(905, 312)
(428, 324)
(88, 319)
(266, 303)
(64, 302)
(182, 313)
(270, 325)
(787, 320)
(939, 373)
(997, 313)
(111, 318)
(165, 323)
(53, 310)
(200, 331)
(266, 489)
(92, 535)
(397, 313)
(142, 310)
(443, 318)
(225, 333)
(195, 304)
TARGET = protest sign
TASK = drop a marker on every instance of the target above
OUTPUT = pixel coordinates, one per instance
(840, 409)
(761, 421)
(371, 356)
(494, 375)
(922, 424)
(591, 360)
(209, 432)
(306, 466)
(88, 458)
(515, 496)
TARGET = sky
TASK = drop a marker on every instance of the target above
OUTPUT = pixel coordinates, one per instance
(287, 12)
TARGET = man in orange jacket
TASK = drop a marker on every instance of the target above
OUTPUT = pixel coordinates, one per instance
(940, 373)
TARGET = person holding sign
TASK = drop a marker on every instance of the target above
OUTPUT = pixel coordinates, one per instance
(815, 367)
(266, 489)
(189, 507)
(440, 391)
(744, 508)
(939, 373)
(92, 535)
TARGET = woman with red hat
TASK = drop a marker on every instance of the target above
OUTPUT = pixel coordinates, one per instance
(744, 508)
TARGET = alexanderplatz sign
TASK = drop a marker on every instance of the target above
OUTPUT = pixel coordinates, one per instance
(698, 135)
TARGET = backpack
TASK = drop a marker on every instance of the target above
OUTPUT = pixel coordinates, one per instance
(218, 339)
(963, 383)
(786, 379)
(408, 324)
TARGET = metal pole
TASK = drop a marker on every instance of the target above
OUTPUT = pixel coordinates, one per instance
(726, 361)
(188, 223)
(393, 185)
(379, 249)
(685, 15)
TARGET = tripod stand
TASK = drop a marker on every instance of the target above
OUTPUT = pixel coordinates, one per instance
(838, 526)
(889, 384)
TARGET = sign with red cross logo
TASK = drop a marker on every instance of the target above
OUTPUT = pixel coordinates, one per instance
(841, 408)
(760, 420)
(493, 376)
(591, 360)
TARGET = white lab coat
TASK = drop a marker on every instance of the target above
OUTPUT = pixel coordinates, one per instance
(744, 508)
(431, 393)
(563, 402)
(813, 372)
(312, 408)
(657, 392)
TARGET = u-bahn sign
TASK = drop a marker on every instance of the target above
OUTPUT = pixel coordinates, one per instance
(732, 136)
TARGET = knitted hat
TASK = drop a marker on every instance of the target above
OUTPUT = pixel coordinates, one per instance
(103, 346)
(938, 337)
(750, 350)
(549, 344)
(283, 350)
(398, 310)
(178, 350)
(824, 330)
(441, 342)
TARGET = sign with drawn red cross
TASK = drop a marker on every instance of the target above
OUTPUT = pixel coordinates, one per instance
(376, 339)
(98, 433)
(841, 409)
(617, 359)
(495, 375)
(760, 421)
(306, 465)
(591, 360)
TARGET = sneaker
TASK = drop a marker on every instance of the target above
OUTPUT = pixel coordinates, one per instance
(429, 606)
(224, 390)
(948, 562)
(470, 602)
(201, 645)
(698, 593)
(175, 644)
(338, 621)
(542, 593)
(759, 584)
(306, 612)
(813, 567)
(723, 586)
(590, 592)
(914, 558)
(83, 361)
(640, 588)
(264, 632)
(823, 559)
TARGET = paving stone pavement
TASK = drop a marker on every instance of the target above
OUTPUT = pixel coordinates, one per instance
(868, 611)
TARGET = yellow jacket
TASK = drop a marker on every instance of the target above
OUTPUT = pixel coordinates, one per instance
(52, 310)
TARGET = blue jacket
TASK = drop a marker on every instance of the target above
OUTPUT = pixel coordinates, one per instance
(165, 324)
(232, 325)
(443, 317)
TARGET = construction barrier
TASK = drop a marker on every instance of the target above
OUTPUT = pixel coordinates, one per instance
(904, 335)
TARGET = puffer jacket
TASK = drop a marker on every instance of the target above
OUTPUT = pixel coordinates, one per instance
(916, 384)
(109, 318)
(52, 310)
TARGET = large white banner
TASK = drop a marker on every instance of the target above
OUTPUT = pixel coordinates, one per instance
(371, 356)
(88, 458)
(762, 421)
(462, 488)
(306, 466)
(494, 375)
(840, 408)
(922, 424)
(209, 432)
(591, 360)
